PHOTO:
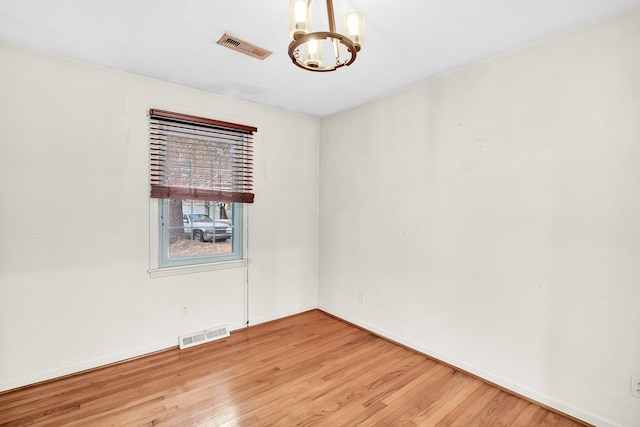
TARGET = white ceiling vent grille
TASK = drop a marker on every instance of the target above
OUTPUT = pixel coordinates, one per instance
(242, 46)
(202, 337)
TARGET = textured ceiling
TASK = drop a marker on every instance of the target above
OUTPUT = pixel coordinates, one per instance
(405, 41)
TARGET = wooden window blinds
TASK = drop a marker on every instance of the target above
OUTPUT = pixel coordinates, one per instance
(200, 159)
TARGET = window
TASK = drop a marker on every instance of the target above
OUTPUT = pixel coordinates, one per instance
(195, 232)
(201, 174)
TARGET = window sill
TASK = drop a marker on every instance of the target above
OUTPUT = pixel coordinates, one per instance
(197, 268)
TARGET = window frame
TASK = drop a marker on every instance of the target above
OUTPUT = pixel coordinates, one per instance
(237, 241)
(154, 254)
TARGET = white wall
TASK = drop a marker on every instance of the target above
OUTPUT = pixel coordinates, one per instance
(491, 218)
(74, 287)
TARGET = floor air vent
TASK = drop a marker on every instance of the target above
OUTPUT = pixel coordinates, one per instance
(202, 337)
(242, 46)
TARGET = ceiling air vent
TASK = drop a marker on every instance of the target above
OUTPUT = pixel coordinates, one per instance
(243, 46)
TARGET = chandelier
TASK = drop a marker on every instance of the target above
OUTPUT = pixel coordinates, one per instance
(306, 48)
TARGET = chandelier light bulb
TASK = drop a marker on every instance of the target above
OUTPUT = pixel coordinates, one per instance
(299, 19)
(313, 54)
(300, 13)
(354, 27)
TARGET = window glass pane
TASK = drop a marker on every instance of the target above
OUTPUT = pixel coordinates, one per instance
(195, 231)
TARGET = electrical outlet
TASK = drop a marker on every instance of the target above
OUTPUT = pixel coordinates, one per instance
(361, 297)
(635, 386)
(184, 310)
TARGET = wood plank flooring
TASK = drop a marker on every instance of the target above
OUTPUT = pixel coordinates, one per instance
(308, 369)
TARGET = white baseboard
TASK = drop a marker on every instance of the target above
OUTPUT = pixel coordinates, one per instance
(83, 366)
(264, 319)
(119, 357)
(488, 376)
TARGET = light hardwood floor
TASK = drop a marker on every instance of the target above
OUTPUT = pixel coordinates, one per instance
(308, 369)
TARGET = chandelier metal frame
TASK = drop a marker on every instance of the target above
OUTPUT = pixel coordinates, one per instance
(301, 36)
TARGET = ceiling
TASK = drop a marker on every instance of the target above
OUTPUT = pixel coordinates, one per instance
(406, 42)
